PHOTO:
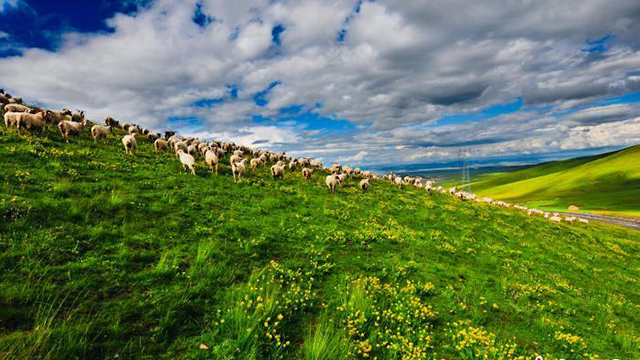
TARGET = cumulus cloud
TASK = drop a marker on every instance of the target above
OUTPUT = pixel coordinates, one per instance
(393, 68)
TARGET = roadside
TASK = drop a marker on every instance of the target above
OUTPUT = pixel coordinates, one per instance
(630, 223)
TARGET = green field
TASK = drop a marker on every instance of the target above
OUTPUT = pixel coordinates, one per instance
(607, 183)
(104, 255)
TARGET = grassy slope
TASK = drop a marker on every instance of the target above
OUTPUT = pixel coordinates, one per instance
(104, 254)
(608, 183)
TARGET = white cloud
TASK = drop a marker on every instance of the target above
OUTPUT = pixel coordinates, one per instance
(402, 65)
(5, 4)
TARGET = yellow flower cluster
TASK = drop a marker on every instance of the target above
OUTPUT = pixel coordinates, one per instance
(472, 342)
(570, 342)
(387, 319)
(269, 300)
(372, 231)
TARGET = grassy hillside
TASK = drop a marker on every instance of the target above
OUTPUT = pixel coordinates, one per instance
(104, 255)
(608, 183)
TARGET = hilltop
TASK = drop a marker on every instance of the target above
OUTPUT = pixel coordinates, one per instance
(607, 183)
(105, 255)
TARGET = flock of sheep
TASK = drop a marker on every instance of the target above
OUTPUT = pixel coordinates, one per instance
(463, 195)
(187, 149)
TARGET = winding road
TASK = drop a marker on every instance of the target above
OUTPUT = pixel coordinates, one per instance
(631, 223)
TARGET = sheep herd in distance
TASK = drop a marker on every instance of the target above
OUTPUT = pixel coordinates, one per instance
(186, 149)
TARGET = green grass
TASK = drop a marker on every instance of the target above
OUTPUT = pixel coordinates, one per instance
(607, 183)
(103, 254)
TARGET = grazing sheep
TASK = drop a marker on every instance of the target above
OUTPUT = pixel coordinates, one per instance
(277, 171)
(129, 142)
(255, 163)
(160, 144)
(234, 159)
(153, 136)
(332, 182)
(399, 182)
(16, 108)
(187, 161)
(367, 174)
(134, 129)
(78, 116)
(364, 184)
(111, 122)
(584, 221)
(11, 119)
(211, 159)
(239, 170)
(341, 178)
(71, 128)
(99, 131)
(54, 117)
(179, 145)
(192, 150)
(168, 134)
(32, 122)
(306, 173)
(203, 148)
(555, 218)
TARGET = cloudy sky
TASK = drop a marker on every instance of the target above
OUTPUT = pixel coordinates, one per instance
(369, 83)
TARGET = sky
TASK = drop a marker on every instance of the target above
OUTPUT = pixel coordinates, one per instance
(379, 84)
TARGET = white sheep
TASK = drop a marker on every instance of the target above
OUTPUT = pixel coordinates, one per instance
(277, 171)
(239, 170)
(187, 161)
(180, 145)
(255, 163)
(71, 128)
(211, 159)
(11, 119)
(54, 117)
(160, 144)
(32, 122)
(306, 173)
(364, 184)
(399, 182)
(16, 108)
(129, 142)
(192, 150)
(555, 218)
(153, 136)
(99, 131)
(234, 159)
(332, 182)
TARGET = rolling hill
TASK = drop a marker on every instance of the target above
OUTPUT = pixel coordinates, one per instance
(607, 183)
(104, 255)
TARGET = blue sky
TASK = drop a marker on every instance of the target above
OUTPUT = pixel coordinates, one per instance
(379, 84)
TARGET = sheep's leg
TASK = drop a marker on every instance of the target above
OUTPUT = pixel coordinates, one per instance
(216, 169)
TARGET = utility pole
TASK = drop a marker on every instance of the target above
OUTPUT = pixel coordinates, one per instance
(463, 155)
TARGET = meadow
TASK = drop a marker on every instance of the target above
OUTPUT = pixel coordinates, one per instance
(605, 184)
(104, 255)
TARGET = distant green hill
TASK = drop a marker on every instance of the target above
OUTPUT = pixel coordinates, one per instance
(607, 183)
(108, 256)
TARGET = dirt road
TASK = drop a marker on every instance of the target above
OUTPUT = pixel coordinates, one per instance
(632, 223)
